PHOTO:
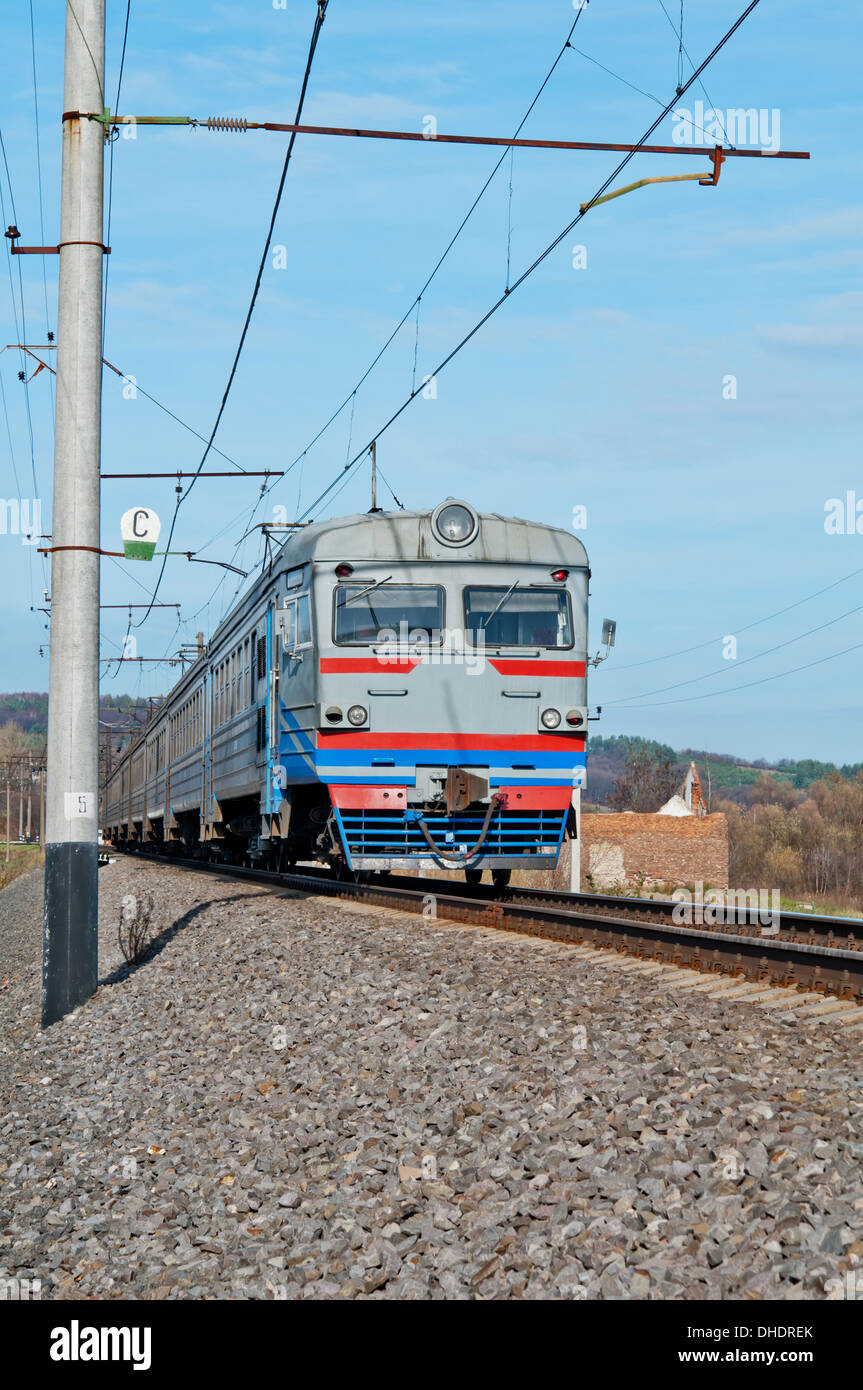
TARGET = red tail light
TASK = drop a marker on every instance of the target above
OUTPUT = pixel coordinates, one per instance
(558, 575)
(344, 570)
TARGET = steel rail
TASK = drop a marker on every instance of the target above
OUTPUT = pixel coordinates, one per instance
(772, 960)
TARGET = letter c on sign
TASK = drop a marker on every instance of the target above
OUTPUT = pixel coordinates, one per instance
(139, 512)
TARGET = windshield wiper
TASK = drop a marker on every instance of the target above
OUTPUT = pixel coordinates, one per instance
(370, 590)
(499, 605)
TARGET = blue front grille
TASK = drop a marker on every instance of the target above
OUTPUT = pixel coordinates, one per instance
(511, 833)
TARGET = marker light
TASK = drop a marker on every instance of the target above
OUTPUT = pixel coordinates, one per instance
(344, 570)
(357, 714)
(574, 717)
(333, 714)
(560, 575)
(550, 718)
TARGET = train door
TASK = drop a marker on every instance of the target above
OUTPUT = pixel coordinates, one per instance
(260, 692)
(296, 709)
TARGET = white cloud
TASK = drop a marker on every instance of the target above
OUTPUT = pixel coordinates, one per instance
(813, 337)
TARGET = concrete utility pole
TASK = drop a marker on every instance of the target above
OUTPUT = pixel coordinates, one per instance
(70, 957)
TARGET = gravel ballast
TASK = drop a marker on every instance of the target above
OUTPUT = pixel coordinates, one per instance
(302, 1098)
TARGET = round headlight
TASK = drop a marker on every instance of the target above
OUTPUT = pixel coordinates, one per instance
(357, 715)
(455, 523)
(550, 718)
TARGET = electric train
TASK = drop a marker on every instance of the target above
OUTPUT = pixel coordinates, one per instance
(398, 690)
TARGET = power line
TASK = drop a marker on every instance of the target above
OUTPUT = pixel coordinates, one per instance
(139, 389)
(682, 49)
(724, 670)
(585, 208)
(319, 19)
(414, 304)
(616, 75)
(686, 651)
(111, 169)
(21, 331)
(39, 168)
(711, 695)
(9, 437)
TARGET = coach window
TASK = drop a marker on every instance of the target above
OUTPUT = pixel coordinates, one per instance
(372, 610)
(518, 617)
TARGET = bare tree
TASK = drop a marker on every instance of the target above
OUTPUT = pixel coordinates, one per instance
(646, 783)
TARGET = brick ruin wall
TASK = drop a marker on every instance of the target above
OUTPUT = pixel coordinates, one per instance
(634, 851)
(629, 850)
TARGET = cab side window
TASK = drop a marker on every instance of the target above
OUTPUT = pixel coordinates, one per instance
(304, 622)
(295, 623)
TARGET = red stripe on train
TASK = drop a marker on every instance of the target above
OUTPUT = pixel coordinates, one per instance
(366, 665)
(537, 743)
(506, 667)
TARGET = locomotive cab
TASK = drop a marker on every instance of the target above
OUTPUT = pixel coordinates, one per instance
(450, 719)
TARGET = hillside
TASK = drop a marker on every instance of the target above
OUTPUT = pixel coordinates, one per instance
(720, 773)
(29, 710)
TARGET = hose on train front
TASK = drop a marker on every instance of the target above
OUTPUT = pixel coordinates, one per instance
(462, 859)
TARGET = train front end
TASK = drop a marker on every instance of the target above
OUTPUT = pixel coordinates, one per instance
(451, 711)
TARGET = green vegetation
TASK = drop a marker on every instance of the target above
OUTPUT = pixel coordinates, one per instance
(21, 858)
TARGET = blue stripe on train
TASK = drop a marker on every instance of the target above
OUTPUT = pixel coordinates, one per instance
(429, 757)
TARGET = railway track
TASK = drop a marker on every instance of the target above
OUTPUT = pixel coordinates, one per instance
(822, 955)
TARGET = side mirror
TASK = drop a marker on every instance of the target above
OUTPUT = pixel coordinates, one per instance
(609, 629)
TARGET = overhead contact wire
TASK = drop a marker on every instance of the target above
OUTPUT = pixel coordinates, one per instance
(319, 19)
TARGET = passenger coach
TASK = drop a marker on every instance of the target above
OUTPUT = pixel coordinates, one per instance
(400, 689)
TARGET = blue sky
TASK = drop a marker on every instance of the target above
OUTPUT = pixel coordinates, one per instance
(600, 386)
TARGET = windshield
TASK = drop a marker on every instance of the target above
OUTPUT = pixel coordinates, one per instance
(524, 617)
(364, 614)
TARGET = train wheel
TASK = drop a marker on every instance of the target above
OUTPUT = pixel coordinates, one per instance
(500, 877)
(473, 876)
